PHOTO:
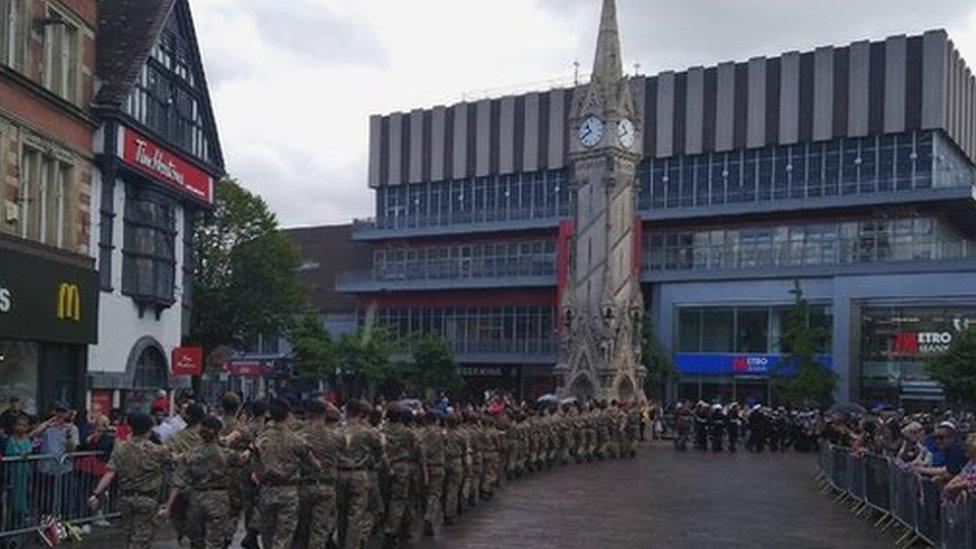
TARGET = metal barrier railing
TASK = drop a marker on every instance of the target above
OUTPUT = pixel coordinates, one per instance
(892, 490)
(36, 488)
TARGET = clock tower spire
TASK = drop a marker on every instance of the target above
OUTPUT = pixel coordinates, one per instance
(602, 306)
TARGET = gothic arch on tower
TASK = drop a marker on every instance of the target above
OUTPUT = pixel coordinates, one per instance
(582, 387)
(625, 389)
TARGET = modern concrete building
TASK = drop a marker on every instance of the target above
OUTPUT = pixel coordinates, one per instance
(849, 168)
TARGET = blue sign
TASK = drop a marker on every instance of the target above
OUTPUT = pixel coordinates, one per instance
(737, 364)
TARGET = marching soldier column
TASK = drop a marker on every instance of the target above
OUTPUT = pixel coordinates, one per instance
(312, 475)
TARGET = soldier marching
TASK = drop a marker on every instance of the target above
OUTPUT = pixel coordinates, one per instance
(315, 477)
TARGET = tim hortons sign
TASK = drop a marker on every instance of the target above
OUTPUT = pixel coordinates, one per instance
(161, 164)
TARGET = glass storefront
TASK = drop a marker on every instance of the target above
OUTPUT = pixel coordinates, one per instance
(19, 364)
(729, 353)
(896, 344)
(40, 374)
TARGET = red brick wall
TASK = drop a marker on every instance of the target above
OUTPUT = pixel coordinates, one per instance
(29, 111)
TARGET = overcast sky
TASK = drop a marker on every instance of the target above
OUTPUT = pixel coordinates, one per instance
(293, 82)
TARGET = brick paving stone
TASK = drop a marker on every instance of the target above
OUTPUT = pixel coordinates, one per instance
(663, 499)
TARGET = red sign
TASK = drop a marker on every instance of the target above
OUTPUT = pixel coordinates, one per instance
(245, 368)
(163, 165)
(187, 361)
(906, 343)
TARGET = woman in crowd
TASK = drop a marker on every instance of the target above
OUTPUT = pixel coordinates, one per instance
(19, 445)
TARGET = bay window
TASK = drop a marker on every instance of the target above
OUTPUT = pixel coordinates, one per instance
(149, 248)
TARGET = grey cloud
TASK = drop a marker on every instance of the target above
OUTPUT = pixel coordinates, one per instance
(669, 34)
(309, 29)
(302, 192)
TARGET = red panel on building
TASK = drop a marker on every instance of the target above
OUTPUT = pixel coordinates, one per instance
(563, 243)
(143, 154)
(187, 361)
(245, 368)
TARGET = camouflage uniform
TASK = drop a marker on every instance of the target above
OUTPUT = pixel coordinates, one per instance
(402, 448)
(490, 446)
(138, 465)
(361, 445)
(477, 442)
(432, 446)
(455, 453)
(205, 475)
(318, 494)
(281, 456)
(181, 444)
(238, 474)
(250, 492)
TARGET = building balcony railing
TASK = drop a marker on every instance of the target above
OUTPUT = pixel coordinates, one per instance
(530, 270)
(856, 251)
(911, 167)
(486, 220)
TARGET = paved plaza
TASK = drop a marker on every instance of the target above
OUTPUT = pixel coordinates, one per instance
(664, 499)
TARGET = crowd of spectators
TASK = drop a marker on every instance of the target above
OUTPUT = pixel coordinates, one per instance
(939, 445)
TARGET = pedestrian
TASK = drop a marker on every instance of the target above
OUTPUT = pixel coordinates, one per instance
(281, 456)
(455, 449)
(180, 444)
(317, 495)
(432, 447)
(230, 407)
(137, 466)
(361, 445)
(402, 448)
(733, 424)
(204, 474)
(17, 477)
(58, 437)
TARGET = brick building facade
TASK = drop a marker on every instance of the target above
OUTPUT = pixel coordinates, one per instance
(47, 81)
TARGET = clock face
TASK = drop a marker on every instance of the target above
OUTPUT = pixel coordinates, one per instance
(591, 132)
(626, 133)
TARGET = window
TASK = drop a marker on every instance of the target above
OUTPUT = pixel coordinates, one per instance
(718, 326)
(61, 56)
(166, 96)
(13, 33)
(45, 185)
(689, 330)
(752, 330)
(149, 258)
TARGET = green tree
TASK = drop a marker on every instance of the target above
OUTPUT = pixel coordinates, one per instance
(956, 369)
(372, 358)
(245, 275)
(812, 383)
(313, 351)
(434, 365)
(660, 368)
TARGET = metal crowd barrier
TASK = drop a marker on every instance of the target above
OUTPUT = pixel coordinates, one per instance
(901, 498)
(34, 488)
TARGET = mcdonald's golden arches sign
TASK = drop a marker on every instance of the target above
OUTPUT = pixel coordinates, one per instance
(47, 297)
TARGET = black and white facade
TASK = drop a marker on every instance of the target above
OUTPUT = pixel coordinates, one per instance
(158, 159)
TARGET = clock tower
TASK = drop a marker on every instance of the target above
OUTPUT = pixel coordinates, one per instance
(602, 306)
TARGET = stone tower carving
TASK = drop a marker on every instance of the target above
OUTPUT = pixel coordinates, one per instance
(602, 305)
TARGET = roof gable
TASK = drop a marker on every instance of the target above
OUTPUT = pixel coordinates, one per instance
(161, 33)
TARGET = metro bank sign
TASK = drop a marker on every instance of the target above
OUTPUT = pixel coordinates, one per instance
(146, 156)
